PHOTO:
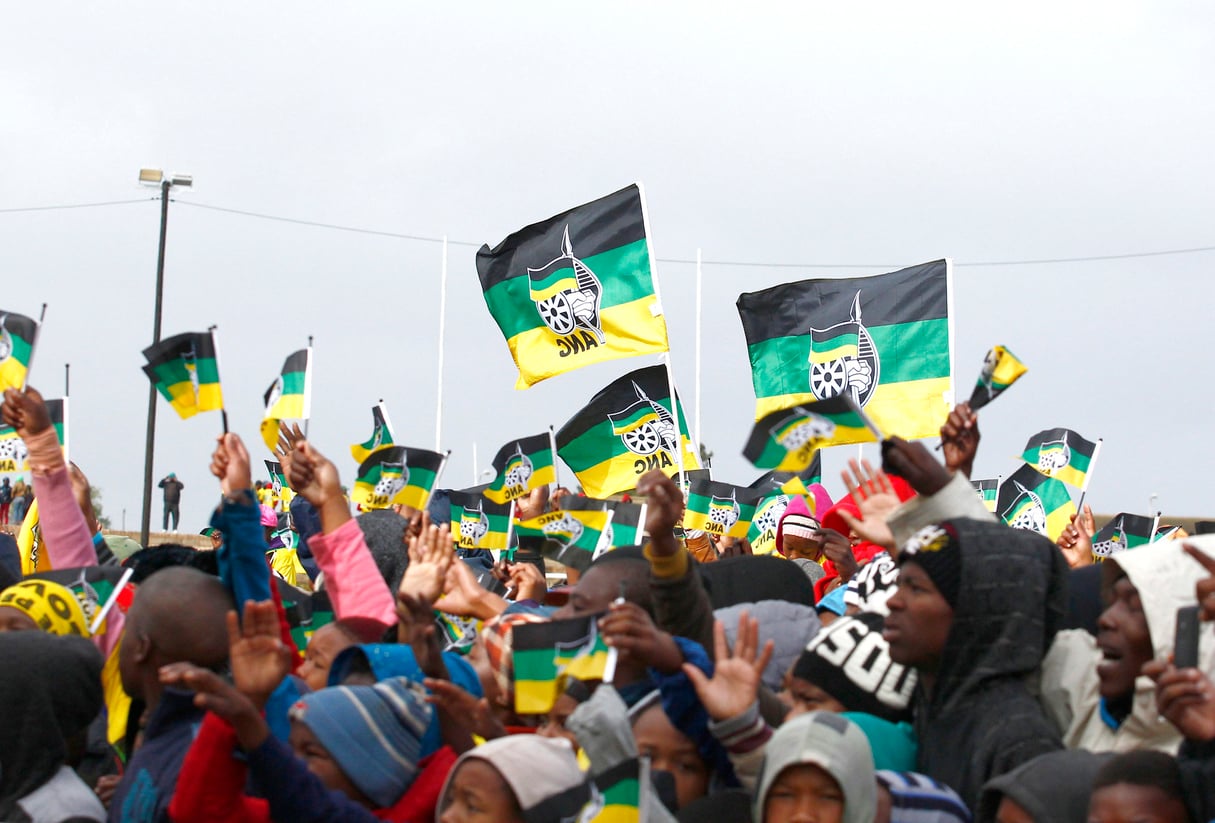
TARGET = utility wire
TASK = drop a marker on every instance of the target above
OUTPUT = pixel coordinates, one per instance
(735, 263)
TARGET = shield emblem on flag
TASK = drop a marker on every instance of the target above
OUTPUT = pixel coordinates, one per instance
(518, 468)
(843, 358)
(803, 427)
(564, 531)
(1026, 512)
(1113, 545)
(6, 340)
(768, 518)
(1054, 456)
(393, 478)
(473, 524)
(567, 293)
(724, 511)
(645, 426)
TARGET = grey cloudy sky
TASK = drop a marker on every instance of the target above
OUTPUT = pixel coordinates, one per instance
(884, 133)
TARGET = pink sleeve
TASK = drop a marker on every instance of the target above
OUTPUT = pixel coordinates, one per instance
(352, 579)
(65, 534)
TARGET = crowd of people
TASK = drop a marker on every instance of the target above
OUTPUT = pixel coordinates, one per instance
(904, 656)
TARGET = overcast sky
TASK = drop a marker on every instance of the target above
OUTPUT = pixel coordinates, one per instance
(879, 134)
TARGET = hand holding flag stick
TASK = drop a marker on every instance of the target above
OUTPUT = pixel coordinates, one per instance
(960, 439)
(315, 478)
(230, 463)
(1076, 540)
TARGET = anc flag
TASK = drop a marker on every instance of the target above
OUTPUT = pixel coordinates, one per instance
(185, 370)
(627, 527)
(14, 457)
(397, 475)
(1001, 369)
(18, 334)
(768, 511)
(617, 797)
(988, 491)
(1123, 531)
(305, 611)
(522, 465)
(278, 482)
(810, 475)
(1033, 501)
(625, 431)
(720, 508)
(571, 537)
(381, 434)
(1169, 533)
(789, 439)
(885, 339)
(478, 523)
(546, 654)
(575, 289)
(289, 396)
(1060, 453)
(29, 543)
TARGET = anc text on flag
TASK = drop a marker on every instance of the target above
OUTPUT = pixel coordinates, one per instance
(545, 654)
(884, 339)
(1060, 453)
(185, 371)
(1033, 501)
(789, 439)
(568, 536)
(397, 475)
(720, 509)
(1123, 531)
(18, 334)
(522, 465)
(1001, 369)
(625, 431)
(477, 522)
(381, 434)
(575, 289)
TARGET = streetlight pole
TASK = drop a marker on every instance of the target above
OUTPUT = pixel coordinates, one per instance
(166, 183)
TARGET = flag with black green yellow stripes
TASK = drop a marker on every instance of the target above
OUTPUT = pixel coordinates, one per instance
(478, 522)
(18, 334)
(570, 537)
(522, 465)
(625, 431)
(1033, 501)
(1060, 453)
(185, 370)
(988, 491)
(575, 289)
(626, 528)
(789, 439)
(884, 339)
(381, 434)
(1001, 369)
(768, 512)
(1122, 532)
(721, 509)
(545, 655)
(395, 475)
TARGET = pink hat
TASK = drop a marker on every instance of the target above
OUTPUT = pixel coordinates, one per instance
(269, 518)
(820, 500)
(797, 521)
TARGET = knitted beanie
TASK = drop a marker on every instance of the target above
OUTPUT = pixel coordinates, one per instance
(935, 550)
(374, 733)
(850, 660)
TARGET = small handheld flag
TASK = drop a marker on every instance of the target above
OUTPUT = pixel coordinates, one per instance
(289, 396)
(395, 475)
(720, 508)
(1123, 531)
(988, 491)
(278, 483)
(1033, 501)
(626, 527)
(1062, 454)
(479, 523)
(789, 439)
(571, 537)
(1001, 369)
(522, 465)
(18, 334)
(184, 368)
(546, 654)
(381, 434)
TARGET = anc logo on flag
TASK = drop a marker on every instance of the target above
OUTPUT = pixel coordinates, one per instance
(1113, 544)
(724, 511)
(565, 530)
(802, 427)
(1125, 531)
(393, 478)
(518, 468)
(474, 525)
(567, 293)
(843, 358)
(1026, 511)
(645, 426)
(762, 534)
(1054, 456)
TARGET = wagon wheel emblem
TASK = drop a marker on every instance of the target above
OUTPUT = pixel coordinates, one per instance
(829, 379)
(642, 440)
(556, 313)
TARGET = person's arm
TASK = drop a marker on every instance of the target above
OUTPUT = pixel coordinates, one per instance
(296, 794)
(352, 579)
(211, 783)
(242, 557)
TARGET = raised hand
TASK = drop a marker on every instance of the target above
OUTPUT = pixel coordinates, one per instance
(875, 497)
(465, 597)
(664, 511)
(416, 627)
(1205, 590)
(1076, 539)
(256, 653)
(960, 439)
(736, 675)
(313, 476)
(533, 504)
(630, 629)
(1185, 697)
(527, 582)
(460, 713)
(213, 693)
(915, 464)
(230, 463)
(430, 555)
(25, 411)
(289, 436)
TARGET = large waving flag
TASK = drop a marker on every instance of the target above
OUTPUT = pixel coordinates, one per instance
(381, 434)
(789, 439)
(397, 475)
(1062, 454)
(720, 508)
(1001, 369)
(522, 465)
(478, 523)
(883, 339)
(289, 396)
(575, 289)
(18, 334)
(1123, 531)
(185, 370)
(1033, 501)
(625, 431)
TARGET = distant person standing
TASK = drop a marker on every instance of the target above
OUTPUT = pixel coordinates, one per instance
(172, 487)
(6, 500)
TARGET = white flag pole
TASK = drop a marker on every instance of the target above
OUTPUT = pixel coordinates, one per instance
(442, 326)
(1088, 475)
(699, 303)
(476, 474)
(552, 442)
(109, 604)
(510, 530)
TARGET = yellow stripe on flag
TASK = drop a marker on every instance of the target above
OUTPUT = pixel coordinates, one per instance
(913, 408)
